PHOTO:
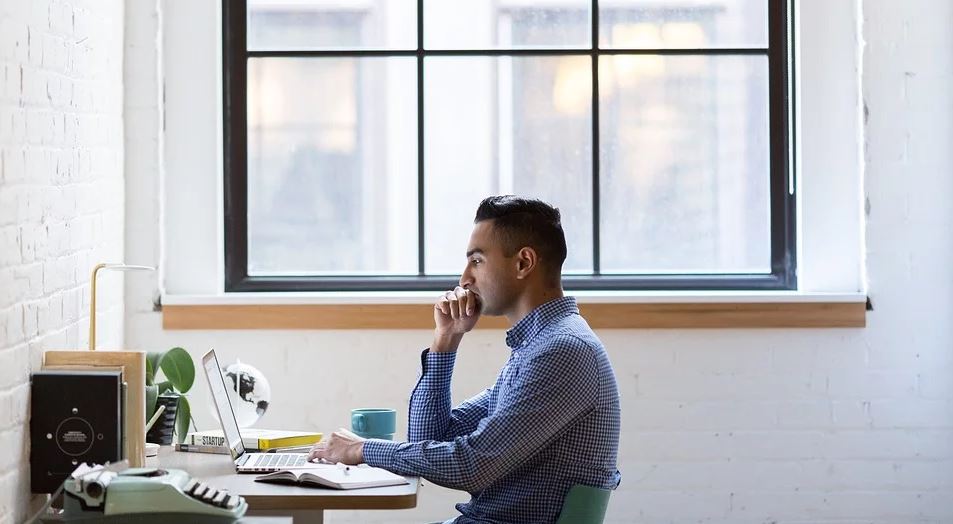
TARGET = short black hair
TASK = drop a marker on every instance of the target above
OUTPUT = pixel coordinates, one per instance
(526, 222)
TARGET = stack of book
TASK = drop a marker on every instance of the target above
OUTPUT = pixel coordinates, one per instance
(213, 441)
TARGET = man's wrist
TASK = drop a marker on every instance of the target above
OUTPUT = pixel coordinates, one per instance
(445, 342)
(379, 453)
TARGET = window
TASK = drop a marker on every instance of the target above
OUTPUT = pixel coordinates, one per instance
(360, 137)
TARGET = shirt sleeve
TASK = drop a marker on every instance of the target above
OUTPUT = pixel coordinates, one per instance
(552, 390)
(430, 415)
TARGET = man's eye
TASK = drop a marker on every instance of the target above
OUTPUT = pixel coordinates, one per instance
(475, 262)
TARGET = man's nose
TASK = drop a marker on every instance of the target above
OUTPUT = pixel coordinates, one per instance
(466, 279)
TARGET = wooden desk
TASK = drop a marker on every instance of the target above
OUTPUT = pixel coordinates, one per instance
(304, 504)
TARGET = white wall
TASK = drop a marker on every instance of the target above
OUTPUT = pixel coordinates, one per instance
(61, 201)
(740, 426)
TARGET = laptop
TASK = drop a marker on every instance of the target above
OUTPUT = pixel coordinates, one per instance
(244, 462)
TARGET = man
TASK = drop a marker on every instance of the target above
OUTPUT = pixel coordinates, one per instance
(550, 421)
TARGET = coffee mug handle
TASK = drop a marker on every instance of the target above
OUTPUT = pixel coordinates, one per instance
(357, 422)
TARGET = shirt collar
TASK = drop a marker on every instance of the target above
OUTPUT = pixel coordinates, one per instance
(523, 331)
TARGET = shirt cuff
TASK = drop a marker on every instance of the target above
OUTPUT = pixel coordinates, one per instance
(380, 453)
(437, 369)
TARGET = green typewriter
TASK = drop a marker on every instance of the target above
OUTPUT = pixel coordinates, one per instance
(120, 494)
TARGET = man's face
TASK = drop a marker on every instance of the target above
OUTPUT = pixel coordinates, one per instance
(489, 272)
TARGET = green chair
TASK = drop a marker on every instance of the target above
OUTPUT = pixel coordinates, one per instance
(584, 505)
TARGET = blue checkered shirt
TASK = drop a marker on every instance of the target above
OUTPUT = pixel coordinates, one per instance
(550, 421)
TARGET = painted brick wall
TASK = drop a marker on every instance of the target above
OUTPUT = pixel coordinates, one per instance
(61, 200)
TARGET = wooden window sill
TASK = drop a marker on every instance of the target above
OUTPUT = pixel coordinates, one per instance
(712, 312)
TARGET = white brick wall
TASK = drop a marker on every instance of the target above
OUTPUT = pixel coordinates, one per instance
(721, 426)
(61, 200)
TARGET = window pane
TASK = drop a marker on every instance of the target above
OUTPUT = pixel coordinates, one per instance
(332, 166)
(507, 24)
(519, 125)
(689, 24)
(684, 164)
(325, 24)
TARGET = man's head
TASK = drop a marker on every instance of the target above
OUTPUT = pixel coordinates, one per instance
(517, 245)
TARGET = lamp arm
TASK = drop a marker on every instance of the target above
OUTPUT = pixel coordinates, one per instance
(92, 294)
(92, 307)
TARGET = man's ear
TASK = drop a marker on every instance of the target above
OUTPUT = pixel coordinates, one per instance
(526, 262)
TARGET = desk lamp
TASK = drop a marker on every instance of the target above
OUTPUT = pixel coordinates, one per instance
(132, 364)
(92, 294)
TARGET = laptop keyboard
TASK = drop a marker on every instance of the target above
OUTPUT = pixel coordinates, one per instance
(281, 460)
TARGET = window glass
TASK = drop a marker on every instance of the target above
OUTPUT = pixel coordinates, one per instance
(508, 125)
(692, 24)
(332, 167)
(682, 149)
(456, 24)
(325, 24)
(684, 157)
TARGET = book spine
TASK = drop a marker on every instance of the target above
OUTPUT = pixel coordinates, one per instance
(206, 440)
(287, 442)
(197, 448)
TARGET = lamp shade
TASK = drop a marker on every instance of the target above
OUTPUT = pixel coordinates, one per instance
(92, 293)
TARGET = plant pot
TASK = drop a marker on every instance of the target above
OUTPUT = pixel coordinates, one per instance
(162, 431)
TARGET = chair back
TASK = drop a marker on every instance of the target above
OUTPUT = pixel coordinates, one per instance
(584, 505)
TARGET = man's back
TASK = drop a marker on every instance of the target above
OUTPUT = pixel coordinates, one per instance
(554, 344)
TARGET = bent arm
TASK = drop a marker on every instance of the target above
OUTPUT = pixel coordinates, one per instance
(551, 392)
(430, 415)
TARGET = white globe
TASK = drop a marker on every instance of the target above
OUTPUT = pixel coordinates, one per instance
(248, 391)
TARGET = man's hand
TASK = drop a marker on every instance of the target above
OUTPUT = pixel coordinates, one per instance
(454, 313)
(343, 446)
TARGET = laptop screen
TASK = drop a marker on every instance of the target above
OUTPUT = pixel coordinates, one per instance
(216, 383)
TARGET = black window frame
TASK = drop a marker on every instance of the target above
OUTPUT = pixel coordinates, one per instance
(781, 98)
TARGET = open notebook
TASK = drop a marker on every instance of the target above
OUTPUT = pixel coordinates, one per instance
(336, 476)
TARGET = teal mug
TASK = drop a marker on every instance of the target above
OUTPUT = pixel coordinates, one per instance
(374, 422)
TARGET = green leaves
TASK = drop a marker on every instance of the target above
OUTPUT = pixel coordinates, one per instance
(179, 371)
(152, 365)
(152, 394)
(177, 366)
(164, 387)
(182, 418)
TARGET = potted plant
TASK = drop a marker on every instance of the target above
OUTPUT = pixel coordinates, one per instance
(178, 370)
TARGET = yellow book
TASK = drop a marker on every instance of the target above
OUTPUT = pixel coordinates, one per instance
(255, 438)
(271, 439)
